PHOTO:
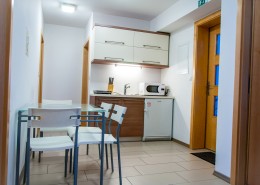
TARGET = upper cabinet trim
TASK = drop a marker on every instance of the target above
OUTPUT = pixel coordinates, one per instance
(132, 29)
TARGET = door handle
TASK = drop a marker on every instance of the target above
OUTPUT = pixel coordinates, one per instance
(112, 58)
(150, 46)
(151, 62)
(114, 42)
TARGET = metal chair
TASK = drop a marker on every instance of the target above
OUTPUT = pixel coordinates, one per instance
(51, 118)
(55, 102)
(92, 130)
(53, 129)
(117, 116)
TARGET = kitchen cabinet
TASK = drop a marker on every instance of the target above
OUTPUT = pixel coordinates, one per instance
(158, 119)
(151, 48)
(113, 53)
(151, 56)
(114, 36)
(151, 41)
(130, 46)
(133, 123)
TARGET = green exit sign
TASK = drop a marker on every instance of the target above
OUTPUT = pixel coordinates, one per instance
(202, 2)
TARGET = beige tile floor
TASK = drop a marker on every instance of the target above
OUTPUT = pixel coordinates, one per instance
(143, 163)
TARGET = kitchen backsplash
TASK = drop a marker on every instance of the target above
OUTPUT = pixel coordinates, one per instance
(122, 75)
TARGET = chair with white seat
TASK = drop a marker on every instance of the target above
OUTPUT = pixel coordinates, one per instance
(55, 102)
(92, 130)
(117, 115)
(107, 107)
(50, 118)
(53, 129)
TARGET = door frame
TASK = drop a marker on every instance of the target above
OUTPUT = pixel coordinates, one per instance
(41, 70)
(200, 76)
(5, 63)
(242, 91)
(85, 74)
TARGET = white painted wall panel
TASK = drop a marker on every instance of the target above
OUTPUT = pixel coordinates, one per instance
(27, 23)
(63, 56)
(105, 19)
(180, 84)
(226, 86)
(122, 75)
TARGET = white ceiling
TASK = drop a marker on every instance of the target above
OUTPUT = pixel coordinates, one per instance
(139, 9)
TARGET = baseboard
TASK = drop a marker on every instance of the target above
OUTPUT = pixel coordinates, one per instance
(221, 176)
(181, 143)
(130, 139)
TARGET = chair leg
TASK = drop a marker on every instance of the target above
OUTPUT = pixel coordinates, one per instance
(119, 163)
(106, 156)
(111, 155)
(28, 165)
(25, 166)
(40, 153)
(66, 162)
(75, 165)
(87, 148)
(33, 155)
(70, 160)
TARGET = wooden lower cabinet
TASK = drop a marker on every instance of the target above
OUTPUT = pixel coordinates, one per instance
(133, 124)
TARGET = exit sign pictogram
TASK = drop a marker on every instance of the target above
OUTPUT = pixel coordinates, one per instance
(201, 2)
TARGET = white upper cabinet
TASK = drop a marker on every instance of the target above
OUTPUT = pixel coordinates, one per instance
(117, 45)
(151, 56)
(113, 52)
(114, 36)
(151, 41)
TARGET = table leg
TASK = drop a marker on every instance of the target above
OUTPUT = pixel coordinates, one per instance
(102, 148)
(18, 148)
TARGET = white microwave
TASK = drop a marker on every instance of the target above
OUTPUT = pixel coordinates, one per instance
(151, 89)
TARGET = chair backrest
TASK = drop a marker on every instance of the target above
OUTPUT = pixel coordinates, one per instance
(57, 102)
(54, 117)
(107, 107)
(118, 113)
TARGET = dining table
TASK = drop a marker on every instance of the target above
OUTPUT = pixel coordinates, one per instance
(87, 111)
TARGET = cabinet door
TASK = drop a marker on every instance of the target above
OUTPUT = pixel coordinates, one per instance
(150, 56)
(151, 41)
(158, 118)
(113, 52)
(114, 36)
(133, 123)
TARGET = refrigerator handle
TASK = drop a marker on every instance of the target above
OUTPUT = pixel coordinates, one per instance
(145, 110)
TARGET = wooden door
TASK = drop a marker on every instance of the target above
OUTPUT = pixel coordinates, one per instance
(246, 129)
(6, 9)
(212, 87)
(253, 177)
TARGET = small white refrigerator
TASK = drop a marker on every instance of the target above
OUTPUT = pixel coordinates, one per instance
(158, 119)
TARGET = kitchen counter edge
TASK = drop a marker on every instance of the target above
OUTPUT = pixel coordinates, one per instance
(133, 96)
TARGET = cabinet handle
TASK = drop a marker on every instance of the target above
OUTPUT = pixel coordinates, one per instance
(111, 58)
(114, 42)
(151, 62)
(150, 46)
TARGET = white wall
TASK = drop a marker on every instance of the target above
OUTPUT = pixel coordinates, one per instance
(62, 76)
(105, 19)
(173, 13)
(27, 23)
(122, 75)
(89, 27)
(180, 82)
(226, 86)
